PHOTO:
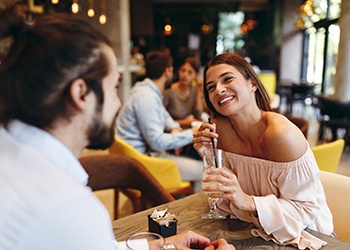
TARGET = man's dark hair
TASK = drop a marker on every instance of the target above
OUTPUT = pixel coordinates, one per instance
(43, 61)
(156, 63)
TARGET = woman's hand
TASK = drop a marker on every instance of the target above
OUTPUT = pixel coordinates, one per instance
(229, 190)
(202, 139)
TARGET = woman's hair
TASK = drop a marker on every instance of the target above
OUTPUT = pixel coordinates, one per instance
(261, 96)
(195, 64)
(44, 59)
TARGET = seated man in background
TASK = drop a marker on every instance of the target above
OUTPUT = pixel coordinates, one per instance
(58, 95)
(144, 123)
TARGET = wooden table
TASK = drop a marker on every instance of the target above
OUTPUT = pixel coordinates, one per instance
(188, 211)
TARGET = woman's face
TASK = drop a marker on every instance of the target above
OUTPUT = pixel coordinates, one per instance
(228, 90)
(187, 74)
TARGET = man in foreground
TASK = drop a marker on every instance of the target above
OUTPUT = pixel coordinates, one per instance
(58, 95)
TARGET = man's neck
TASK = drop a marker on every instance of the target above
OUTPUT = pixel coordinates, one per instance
(160, 83)
(65, 131)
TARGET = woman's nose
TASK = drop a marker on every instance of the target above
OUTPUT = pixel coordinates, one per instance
(220, 89)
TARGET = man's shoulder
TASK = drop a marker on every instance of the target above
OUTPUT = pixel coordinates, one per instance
(32, 186)
(143, 95)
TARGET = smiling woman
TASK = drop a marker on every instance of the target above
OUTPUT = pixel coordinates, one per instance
(245, 70)
(271, 176)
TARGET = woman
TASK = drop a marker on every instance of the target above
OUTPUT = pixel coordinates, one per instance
(182, 99)
(272, 178)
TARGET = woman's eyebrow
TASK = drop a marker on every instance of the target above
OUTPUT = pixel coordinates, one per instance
(222, 75)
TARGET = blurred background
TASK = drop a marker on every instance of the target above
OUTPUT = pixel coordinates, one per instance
(299, 48)
(292, 41)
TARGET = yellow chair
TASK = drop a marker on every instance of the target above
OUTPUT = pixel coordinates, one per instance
(328, 155)
(337, 189)
(164, 170)
(268, 79)
(114, 171)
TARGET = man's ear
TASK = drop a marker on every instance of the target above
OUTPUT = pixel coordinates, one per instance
(78, 92)
(167, 71)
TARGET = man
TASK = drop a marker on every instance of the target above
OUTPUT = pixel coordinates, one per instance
(58, 95)
(144, 123)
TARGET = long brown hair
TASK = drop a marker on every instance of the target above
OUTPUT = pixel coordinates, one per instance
(261, 96)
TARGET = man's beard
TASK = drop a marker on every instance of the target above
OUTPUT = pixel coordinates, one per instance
(100, 135)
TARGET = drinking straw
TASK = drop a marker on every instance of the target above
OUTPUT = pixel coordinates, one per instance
(214, 148)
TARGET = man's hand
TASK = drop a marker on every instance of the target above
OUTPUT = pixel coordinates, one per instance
(190, 240)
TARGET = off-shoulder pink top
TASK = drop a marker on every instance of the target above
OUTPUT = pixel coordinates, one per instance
(289, 198)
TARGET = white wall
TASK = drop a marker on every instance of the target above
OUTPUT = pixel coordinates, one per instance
(291, 45)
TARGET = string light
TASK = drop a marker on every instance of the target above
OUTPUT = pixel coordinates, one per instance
(54, 1)
(91, 11)
(103, 18)
(75, 7)
(168, 29)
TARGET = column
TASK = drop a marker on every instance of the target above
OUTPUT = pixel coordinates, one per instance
(124, 20)
(342, 75)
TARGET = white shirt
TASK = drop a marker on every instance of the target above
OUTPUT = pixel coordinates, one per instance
(44, 203)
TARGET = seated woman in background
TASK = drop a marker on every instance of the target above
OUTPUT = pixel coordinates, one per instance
(182, 99)
(271, 177)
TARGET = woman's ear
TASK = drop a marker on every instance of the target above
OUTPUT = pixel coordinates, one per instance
(253, 86)
(79, 92)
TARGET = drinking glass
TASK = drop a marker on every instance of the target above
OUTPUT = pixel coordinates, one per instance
(153, 240)
(213, 158)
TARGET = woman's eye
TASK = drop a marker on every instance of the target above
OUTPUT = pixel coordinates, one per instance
(210, 87)
(228, 79)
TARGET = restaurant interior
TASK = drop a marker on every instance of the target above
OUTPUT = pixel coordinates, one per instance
(300, 50)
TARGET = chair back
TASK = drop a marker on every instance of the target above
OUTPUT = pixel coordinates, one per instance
(337, 189)
(164, 170)
(301, 123)
(118, 171)
(328, 155)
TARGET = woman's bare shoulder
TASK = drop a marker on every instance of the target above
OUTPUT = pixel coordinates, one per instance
(283, 141)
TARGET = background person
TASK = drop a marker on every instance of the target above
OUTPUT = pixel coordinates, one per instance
(58, 94)
(272, 178)
(182, 100)
(144, 123)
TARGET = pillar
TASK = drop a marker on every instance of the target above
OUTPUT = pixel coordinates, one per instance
(342, 75)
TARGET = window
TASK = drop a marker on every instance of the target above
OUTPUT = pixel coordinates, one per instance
(229, 37)
(322, 48)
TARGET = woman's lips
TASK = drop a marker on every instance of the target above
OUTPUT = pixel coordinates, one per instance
(225, 100)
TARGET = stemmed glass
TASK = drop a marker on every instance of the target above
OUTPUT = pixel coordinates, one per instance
(213, 158)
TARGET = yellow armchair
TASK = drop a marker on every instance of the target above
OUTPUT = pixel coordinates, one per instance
(337, 189)
(328, 155)
(164, 170)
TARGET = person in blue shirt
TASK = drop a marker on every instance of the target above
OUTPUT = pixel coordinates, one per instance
(144, 123)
